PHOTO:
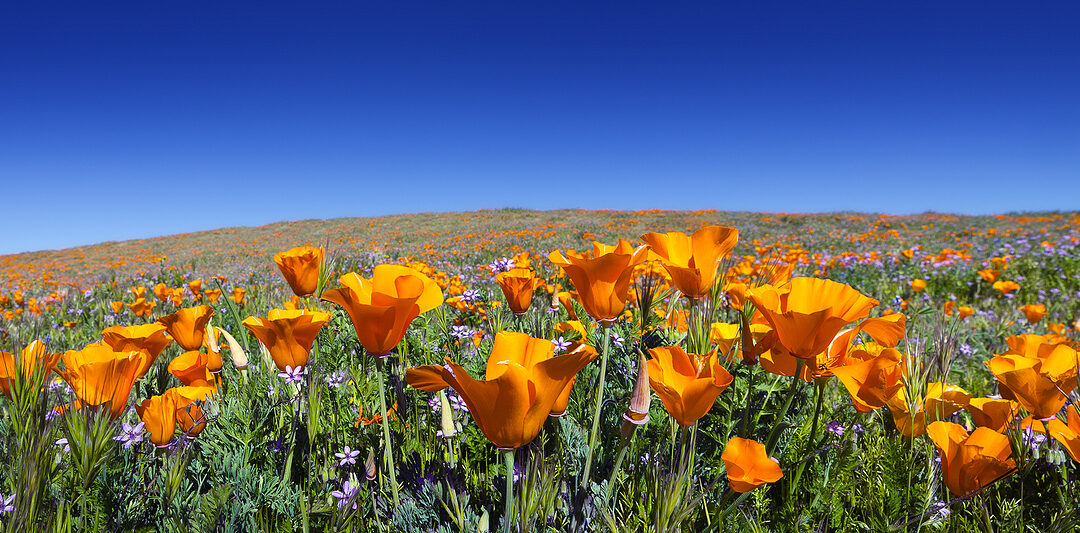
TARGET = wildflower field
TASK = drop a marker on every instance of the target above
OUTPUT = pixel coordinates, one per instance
(515, 370)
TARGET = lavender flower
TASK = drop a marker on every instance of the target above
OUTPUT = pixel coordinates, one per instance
(616, 339)
(345, 495)
(561, 344)
(292, 375)
(835, 428)
(461, 332)
(458, 404)
(129, 436)
(8, 505)
(348, 456)
(64, 442)
(336, 379)
(470, 296)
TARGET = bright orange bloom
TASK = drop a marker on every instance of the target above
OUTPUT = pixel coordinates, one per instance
(989, 275)
(300, 266)
(33, 355)
(567, 298)
(188, 326)
(692, 260)
(517, 285)
(147, 338)
(162, 292)
(381, 308)
(511, 406)
(117, 306)
(191, 369)
(195, 286)
(1068, 434)
(965, 311)
(992, 413)
(602, 278)
(970, 462)
(687, 384)
(1034, 312)
(527, 351)
(288, 335)
(942, 400)
(724, 335)
(142, 308)
(736, 294)
(871, 380)
(748, 466)
(139, 292)
(1005, 287)
(949, 307)
(238, 295)
(100, 375)
(188, 413)
(1024, 380)
(917, 285)
(158, 414)
(212, 295)
(808, 313)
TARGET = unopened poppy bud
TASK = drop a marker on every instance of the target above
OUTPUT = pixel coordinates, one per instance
(447, 412)
(638, 412)
(369, 465)
(239, 356)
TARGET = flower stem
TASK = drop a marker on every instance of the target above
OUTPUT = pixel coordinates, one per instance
(596, 414)
(388, 457)
(746, 406)
(508, 458)
(774, 435)
(623, 447)
(810, 444)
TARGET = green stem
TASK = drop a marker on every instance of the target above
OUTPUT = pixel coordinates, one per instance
(624, 446)
(596, 413)
(811, 443)
(746, 406)
(508, 458)
(387, 455)
(774, 435)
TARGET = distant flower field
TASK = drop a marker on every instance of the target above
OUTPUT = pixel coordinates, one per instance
(514, 370)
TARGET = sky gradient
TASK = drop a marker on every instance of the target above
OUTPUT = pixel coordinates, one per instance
(124, 120)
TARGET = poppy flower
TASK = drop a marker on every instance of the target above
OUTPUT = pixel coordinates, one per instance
(300, 266)
(33, 355)
(917, 285)
(162, 292)
(993, 413)
(195, 286)
(723, 335)
(117, 306)
(808, 313)
(142, 308)
(188, 326)
(238, 295)
(158, 414)
(989, 275)
(213, 295)
(1024, 380)
(147, 338)
(1005, 287)
(567, 298)
(692, 260)
(871, 380)
(517, 286)
(602, 278)
(942, 400)
(189, 415)
(511, 407)
(687, 384)
(1068, 434)
(190, 368)
(382, 307)
(748, 466)
(970, 462)
(288, 334)
(528, 351)
(965, 311)
(100, 375)
(736, 294)
(1034, 312)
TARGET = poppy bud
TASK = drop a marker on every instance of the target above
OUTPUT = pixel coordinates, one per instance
(447, 412)
(369, 465)
(239, 356)
(637, 414)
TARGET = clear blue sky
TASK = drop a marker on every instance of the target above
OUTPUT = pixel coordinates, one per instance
(135, 119)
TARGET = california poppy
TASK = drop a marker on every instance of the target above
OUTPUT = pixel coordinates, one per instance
(871, 380)
(1023, 379)
(190, 368)
(941, 400)
(511, 407)
(147, 338)
(1068, 434)
(687, 384)
(142, 308)
(748, 466)
(188, 326)
(32, 356)
(917, 285)
(189, 415)
(158, 414)
(213, 295)
(692, 260)
(989, 275)
(99, 375)
(238, 296)
(1034, 312)
(808, 313)
(517, 286)
(195, 286)
(602, 278)
(993, 413)
(300, 266)
(1005, 287)
(288, 334)
(970, 462)
(382, 307)
(528, 351)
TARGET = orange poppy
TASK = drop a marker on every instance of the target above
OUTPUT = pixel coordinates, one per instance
(993, 413)
(32, 355)
(511, 406)
(191, 369)
(195, 286)
(381, 308)
(1068, 434)
(238, 296)
(142, 308)
(871, 380)
(147, 338)
(1005, 287)
(970, 462)
(517, 286)
(567, 298)
(288, 334)
(692, 260)
(1034, 312)
(300, 266)
(941, 400)
(162, 292)
(748, 466)
(687, 384)
(965, 311)
(1024, 380)
(100, 375)
(917, 285)
(213, 295)
(188, 326)
(808, 313)
(188, 413)
(527, 351)
(158, 414)
(117, 306)
(989, 275)
(602, 278)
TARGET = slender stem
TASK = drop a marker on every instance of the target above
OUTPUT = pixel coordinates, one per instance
(387, 455)
(596, 414)
(774, 435)
(508, 458)
(811, 443)
(746, 406)
(623, 447)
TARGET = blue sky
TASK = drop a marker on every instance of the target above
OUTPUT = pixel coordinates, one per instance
(132, 119)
